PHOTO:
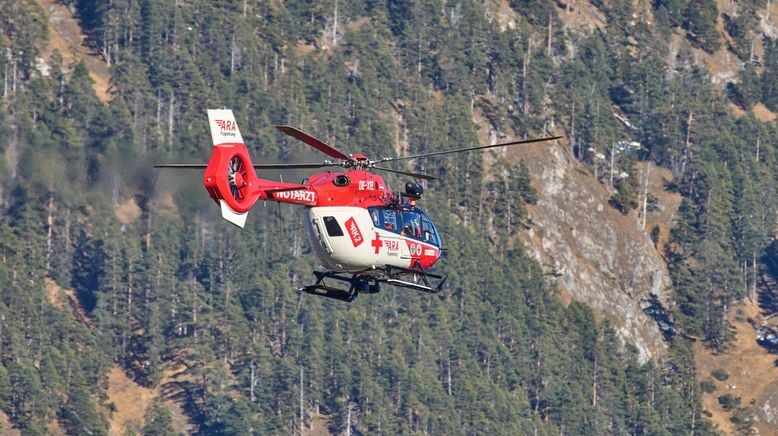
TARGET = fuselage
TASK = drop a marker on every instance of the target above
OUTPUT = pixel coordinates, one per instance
(355, 223)
(360, 240)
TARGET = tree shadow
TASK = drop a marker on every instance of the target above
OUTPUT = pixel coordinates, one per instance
(768, 286)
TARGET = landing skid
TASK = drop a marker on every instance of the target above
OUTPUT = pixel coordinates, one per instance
(357, 284)
(368, 284)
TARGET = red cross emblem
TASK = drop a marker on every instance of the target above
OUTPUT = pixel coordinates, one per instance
(377, 243)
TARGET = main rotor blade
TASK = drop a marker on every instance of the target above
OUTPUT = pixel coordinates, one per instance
(313, 142)
(461, 150)
(406, 173)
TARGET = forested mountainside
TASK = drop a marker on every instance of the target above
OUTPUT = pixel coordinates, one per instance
(105, 263)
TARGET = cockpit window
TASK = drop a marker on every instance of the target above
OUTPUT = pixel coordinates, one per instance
(410, 222)
(428, 232)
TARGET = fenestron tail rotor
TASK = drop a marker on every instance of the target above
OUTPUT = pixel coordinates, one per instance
(237, 177)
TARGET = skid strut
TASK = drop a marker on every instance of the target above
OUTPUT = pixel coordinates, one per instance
(366, 284)
(357, 284)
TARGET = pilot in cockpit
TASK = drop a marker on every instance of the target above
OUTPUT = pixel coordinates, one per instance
(411, 225)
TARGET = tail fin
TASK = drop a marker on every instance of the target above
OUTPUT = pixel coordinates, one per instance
(230, 178)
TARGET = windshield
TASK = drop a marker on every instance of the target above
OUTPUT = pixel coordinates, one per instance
(406, 221)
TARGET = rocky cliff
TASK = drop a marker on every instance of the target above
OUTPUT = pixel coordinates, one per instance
(601, 257)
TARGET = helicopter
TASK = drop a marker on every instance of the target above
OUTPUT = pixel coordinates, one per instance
(362, 233)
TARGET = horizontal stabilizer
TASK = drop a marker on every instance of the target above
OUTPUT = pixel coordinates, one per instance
(239, 219)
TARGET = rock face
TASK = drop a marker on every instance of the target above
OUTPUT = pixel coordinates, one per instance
(600, 256)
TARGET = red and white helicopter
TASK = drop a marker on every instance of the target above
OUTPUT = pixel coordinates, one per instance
(362, 233)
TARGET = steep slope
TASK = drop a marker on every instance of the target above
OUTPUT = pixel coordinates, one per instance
(600, 256)
(129, 400)
(747, 373)
(66, 39)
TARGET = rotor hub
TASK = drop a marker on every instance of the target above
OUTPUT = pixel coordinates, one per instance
(357, 162)
(237, 180)
(236, 176)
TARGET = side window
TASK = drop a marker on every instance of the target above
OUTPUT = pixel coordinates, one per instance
(411, 224)
(374, 216)
(333, 228)
(428, 232)
(389, 220)
(425, 231)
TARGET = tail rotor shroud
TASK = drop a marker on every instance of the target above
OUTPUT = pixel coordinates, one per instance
(230, 177)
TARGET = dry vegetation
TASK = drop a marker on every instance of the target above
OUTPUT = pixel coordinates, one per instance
(66, 298)
(65, 38)
(506, 17)
(130, 400)
(667, 202)
(127, 212)
(56, 295)
(763, 114)
(5, 426)
(317, 424)
(175, 373)
(750, 368)
(581, 15)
